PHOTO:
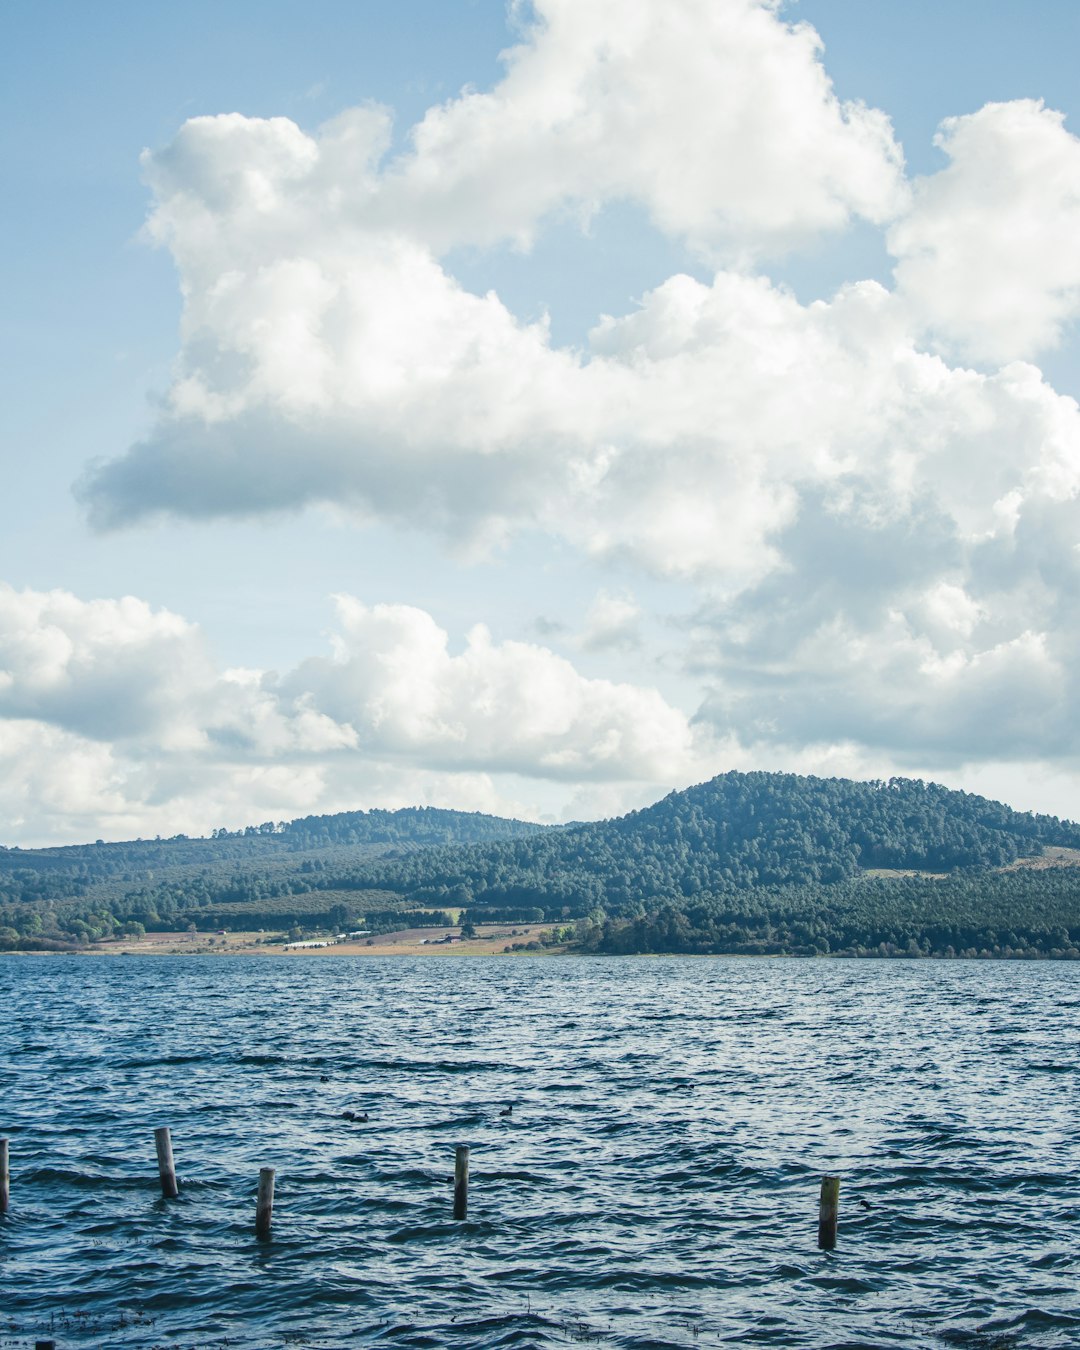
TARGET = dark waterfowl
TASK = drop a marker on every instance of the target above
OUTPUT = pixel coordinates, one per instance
(508, 1112)
(359, 1116)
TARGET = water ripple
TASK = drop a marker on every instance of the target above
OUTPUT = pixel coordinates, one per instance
(654, 1186)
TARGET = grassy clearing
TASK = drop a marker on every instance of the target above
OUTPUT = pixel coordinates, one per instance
(491, 939)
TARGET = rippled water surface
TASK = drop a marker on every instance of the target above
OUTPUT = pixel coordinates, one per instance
(655, 1185)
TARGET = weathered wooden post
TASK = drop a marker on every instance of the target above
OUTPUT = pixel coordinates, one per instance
(264, 1205)
(5, 1180)
(828, 1209)
(166, 1170)
(461, 1181)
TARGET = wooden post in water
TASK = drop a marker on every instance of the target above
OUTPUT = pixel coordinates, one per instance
(264, 1206)
(166, 1170)
(5, 1183)
(461, 1181)
(828, 1210)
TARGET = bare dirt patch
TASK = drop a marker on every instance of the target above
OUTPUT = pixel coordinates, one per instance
(1051, 856)
(492, 939)
(186, 944)
(902, 872)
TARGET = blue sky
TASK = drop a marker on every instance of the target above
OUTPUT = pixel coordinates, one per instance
(864, 566)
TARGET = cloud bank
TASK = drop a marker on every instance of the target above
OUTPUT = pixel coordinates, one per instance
(987, 254)
(114, 712)
(874, 495)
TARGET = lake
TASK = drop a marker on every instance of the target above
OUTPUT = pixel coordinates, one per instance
(655, 1185)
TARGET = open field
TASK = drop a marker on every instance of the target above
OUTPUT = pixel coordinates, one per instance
(1051, 856)
(491, 939)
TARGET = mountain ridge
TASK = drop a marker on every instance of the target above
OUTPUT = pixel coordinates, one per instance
(704, 860)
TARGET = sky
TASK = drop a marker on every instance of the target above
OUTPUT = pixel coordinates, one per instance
(533, 408)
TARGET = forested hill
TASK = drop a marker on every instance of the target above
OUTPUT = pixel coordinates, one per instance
(411, 827)
(736, 832)
(747, 861)
(782, 827)
(348, 835)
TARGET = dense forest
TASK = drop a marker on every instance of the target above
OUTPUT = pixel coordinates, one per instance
(1027, 912)
(754, 862)
(274, 875)
(737, 832)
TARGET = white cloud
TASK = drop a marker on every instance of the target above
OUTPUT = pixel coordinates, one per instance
(916, 642)
(987, 255)
(612, 623)
(891, 689)
(327, 356)
(685, 442)
(103, 668)
(56, 787)
(716, 115)
(113, 718)
(883, 542)
(510, 706)
(808, 466)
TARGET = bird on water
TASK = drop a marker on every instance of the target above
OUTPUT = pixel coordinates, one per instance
(508, 1112)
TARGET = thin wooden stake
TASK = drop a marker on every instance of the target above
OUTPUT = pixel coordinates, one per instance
(828, 1210)
(461, 1181)
(166, 1170)
(264, 1206)
(5, 1182)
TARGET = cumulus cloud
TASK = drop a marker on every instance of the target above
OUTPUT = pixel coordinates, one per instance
(987, 255)
(715, 115)
(612, 623)
(511, 706)
(130, 721)
(919, 641)
(102, 668)
(327, 355)
(882, 540)
(120, 671)
(686, 442)
(893, 689)
(809, 467)
(56, 787)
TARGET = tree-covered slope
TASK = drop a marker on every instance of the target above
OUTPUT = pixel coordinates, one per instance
(223, 865)
(1025, 912)
(754, 861)
(736, 832)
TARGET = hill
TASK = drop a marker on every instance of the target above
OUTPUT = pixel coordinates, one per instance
(745, 862)
(737, 832)
(267, 870)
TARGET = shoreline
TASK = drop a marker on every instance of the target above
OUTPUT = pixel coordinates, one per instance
(491, 940)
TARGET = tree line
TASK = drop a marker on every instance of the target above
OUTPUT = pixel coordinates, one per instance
(750, 862)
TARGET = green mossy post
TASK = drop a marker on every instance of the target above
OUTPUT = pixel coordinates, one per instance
(5, 1180)
(461, 1181)
(264, 1205)
(828, 1210)
(166, 1169)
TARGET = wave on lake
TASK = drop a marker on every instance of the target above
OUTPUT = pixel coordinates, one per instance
(655, 1184)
